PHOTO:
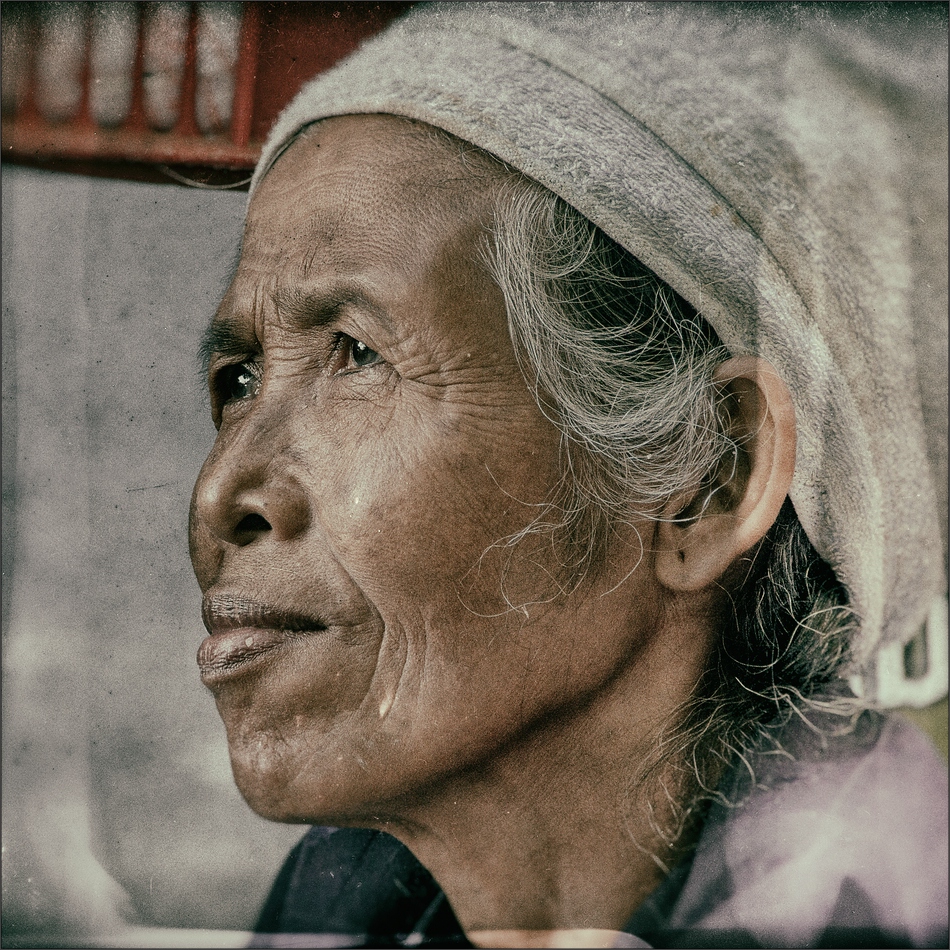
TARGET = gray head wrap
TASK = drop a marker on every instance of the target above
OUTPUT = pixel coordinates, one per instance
(783, 167)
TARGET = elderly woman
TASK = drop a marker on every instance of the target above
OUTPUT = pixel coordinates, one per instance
(576, 481)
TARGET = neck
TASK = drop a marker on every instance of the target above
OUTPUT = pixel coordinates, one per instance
(552, 833)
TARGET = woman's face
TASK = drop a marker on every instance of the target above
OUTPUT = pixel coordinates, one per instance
(376, 440)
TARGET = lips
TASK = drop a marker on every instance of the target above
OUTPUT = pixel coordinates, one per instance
(242, 632)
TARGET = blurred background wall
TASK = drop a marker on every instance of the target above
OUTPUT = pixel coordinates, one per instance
(118, 797)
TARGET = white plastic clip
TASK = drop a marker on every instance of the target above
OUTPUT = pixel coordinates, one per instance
(896, 683)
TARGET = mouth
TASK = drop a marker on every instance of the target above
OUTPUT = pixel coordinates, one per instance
(242, 632)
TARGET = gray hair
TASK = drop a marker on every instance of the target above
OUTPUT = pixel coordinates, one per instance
(615, 359)
(624, 367)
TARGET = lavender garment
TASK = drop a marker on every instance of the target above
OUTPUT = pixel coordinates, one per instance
(841, 842)
(843, 845)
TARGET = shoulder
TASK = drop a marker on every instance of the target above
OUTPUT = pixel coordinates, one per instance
(840, 838)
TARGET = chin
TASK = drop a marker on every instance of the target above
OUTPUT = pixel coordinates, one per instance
(284, 784)
(265, 781)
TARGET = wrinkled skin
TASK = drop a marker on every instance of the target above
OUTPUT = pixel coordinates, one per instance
(366, 485)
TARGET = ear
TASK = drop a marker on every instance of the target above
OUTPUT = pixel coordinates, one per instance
(702, 533)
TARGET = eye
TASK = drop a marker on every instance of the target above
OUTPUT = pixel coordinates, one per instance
(237, 381)
(355, 354)
(362, 355)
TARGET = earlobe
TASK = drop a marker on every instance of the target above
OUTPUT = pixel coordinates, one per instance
(701, 534)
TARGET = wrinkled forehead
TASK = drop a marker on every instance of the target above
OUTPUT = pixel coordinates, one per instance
(373, 199)
(369, 160)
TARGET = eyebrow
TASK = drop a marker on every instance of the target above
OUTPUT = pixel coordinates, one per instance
(225, 337)
(306, 310)
(315, 309)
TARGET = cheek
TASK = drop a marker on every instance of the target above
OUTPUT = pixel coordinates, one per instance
(426, 519)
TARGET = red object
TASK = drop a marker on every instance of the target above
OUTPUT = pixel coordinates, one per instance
(281, 45)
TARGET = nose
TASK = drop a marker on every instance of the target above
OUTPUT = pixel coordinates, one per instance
(244, 495)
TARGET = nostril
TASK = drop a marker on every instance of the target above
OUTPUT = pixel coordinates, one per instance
(252, 524)
(239, 507)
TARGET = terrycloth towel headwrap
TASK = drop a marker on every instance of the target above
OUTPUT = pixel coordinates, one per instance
(783, 167)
